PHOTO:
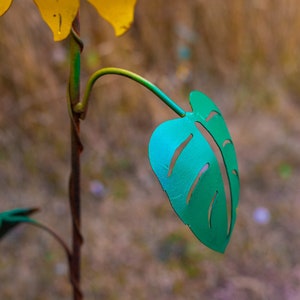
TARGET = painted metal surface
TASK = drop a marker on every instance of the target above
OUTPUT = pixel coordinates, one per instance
(186, 164)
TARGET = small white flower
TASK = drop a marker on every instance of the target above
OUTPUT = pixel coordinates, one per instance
(97, 188)
(261, 215)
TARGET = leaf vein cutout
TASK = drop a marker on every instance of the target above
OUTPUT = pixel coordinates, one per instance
(210, 209)
(178, 152)
(221, 161)
(212, 114)
(202, 171)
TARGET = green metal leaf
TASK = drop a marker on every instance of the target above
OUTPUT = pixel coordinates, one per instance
(11, 218)
(188, 156)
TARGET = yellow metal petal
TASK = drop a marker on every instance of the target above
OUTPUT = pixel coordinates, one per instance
(119, 13)
(4, 6)
(59, 15)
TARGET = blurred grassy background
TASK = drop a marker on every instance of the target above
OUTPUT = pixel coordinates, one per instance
(244, 55)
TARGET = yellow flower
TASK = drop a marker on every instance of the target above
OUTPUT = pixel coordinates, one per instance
(59, 14)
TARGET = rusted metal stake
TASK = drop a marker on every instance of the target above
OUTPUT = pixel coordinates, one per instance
(76, 149)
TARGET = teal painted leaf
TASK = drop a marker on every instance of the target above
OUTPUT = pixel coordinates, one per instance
(11, 218)
(188, 156)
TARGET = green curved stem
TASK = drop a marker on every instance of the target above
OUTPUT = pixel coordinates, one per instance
(81, 107)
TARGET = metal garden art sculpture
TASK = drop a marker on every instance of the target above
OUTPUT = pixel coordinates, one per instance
(182, 152)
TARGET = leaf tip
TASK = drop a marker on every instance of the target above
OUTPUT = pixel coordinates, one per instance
(119, 13)
(4, 6)
(120, 30)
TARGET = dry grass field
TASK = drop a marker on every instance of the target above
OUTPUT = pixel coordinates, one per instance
(243, 54)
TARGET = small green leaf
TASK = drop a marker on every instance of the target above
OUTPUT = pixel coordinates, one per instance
(11, 218)
(285, 170)
(189, 170)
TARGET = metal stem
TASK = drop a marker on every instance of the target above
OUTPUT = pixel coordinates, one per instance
(76, 149)
(81, 107)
